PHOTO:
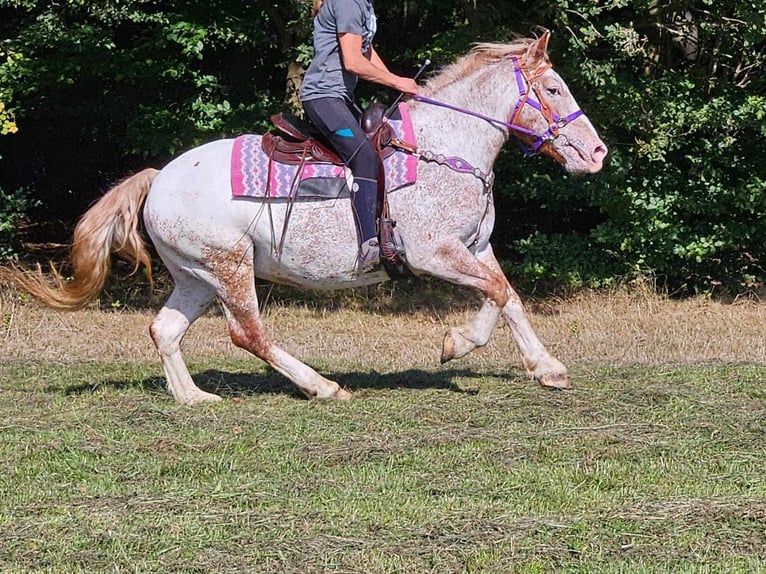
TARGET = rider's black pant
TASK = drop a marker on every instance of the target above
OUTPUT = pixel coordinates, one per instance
(338, 120)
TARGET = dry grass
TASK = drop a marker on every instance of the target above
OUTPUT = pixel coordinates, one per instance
(607, 329)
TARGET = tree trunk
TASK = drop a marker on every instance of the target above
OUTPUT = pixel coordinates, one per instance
(295, 73)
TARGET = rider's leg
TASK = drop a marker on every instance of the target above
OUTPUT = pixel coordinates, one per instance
(338, 122)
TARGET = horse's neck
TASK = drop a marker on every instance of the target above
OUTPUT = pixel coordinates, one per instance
(450, 132)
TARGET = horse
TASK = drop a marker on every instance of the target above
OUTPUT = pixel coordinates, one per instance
(215, 245)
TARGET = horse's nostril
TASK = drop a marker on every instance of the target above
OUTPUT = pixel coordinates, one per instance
(599, 153)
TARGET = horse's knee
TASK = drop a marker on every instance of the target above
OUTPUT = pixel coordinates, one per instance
(167, 330)
(499, 291)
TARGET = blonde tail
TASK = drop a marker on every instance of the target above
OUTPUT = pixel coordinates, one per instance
(111, 225)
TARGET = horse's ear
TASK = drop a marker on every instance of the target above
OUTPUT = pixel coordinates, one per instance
(538, 50)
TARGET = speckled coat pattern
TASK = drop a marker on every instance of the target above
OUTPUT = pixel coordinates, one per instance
(215, 245)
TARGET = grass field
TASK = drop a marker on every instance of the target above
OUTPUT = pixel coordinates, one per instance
(654, 462)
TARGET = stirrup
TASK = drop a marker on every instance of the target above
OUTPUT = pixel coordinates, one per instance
(388, 248)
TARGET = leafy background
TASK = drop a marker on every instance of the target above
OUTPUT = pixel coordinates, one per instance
(91, 91)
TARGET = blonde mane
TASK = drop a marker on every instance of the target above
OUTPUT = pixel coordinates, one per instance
(482, 54)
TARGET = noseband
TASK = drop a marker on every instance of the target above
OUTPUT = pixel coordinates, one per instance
(527, 83)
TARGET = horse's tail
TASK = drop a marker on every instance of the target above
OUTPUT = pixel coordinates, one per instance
(111, 225)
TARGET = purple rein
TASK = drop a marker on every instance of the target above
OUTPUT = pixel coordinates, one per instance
(555, 122)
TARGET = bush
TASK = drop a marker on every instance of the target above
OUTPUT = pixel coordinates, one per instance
(13, 208)
(677, 95)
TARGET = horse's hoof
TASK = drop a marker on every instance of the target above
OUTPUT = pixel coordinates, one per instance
(200, 398)
(343, 395)
(331, 392)
(448, 349)
(455, 346)
(555, 381)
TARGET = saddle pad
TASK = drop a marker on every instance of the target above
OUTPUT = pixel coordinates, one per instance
(251, 175)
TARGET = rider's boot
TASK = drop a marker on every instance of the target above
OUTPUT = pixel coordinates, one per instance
(369, 255)
(365, 199)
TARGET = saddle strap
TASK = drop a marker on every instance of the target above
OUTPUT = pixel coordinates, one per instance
(290, 199)
(389, 252)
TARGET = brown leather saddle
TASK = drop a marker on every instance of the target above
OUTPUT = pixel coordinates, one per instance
(298, 142)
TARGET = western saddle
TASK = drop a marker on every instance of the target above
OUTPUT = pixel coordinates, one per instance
(300, 142)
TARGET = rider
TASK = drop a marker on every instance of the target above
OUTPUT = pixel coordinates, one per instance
(343, 53)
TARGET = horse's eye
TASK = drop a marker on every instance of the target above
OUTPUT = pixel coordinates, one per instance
(553, 91)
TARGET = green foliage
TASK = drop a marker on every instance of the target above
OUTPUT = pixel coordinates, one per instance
(567, 259)
(677, 91)
(8, 62)
(125, 83)
(13, 208)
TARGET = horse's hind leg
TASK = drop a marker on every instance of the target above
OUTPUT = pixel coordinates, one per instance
(188, 301)
(237, 291)
(456, 264)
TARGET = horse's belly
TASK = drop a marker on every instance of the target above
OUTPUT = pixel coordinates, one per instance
(315, 257)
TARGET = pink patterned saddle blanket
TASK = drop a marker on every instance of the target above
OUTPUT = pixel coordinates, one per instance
(252, 176)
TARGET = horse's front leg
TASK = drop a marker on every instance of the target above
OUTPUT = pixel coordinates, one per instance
(459, 341)
(540, 364)
(456, 264)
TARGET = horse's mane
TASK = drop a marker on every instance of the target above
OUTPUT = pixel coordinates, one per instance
(481, 54)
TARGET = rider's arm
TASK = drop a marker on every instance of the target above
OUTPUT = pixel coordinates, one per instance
(371, 70)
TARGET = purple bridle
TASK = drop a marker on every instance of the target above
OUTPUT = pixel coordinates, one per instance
(524, 81)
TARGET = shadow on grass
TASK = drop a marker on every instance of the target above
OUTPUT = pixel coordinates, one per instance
(231, 385)
(248, 384)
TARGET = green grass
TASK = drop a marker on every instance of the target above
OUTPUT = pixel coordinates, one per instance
(637, 470)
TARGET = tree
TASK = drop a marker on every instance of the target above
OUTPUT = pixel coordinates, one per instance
(118, 85)
(676, 89)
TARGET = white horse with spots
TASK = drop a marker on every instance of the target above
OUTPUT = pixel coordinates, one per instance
(214, 245)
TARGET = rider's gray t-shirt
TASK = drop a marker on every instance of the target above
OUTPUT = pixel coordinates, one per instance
(326, 76)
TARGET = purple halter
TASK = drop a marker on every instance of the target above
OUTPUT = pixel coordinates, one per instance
(523, 80)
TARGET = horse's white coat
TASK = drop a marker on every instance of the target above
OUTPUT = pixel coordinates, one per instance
(215, 245)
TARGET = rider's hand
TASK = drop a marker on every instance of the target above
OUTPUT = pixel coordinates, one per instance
(406, 85)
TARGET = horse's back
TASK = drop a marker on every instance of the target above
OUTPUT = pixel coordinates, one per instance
(193, 173)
